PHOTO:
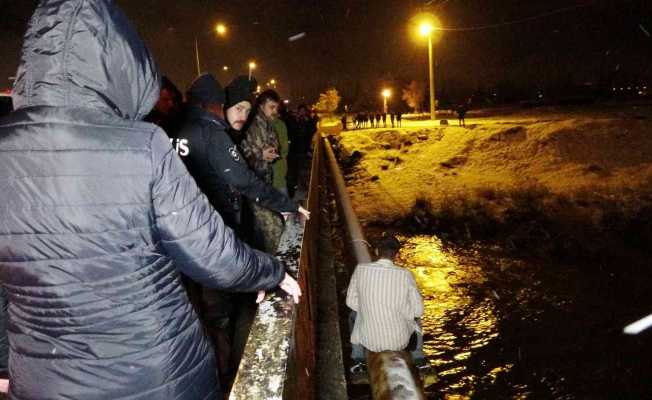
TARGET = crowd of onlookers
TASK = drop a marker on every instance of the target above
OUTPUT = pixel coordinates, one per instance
(366, 120)
(139, 224)
(245, 151)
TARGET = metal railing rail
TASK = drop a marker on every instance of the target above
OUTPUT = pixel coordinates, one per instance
(279, 357)
(392, 374)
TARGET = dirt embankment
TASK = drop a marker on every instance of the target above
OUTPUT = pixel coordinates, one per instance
(580, 173)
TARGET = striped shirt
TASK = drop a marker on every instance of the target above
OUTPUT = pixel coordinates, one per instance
(387, 301)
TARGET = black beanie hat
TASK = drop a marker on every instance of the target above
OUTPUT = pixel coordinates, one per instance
(206, 89)
(240, 89)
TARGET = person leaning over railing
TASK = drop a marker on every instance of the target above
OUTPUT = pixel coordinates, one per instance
(100, 217)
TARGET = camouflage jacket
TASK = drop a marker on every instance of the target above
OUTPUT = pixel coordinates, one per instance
(260, 135)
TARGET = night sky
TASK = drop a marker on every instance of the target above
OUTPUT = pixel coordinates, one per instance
(361, 46)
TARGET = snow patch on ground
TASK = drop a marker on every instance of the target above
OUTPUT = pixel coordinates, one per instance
(606, 150)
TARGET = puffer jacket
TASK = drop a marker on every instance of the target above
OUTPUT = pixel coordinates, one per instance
(99, 217)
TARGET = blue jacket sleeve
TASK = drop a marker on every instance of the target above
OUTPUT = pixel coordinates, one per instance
(4, 341)
(193, 234)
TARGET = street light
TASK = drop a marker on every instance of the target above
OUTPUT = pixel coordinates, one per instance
(252, 67)
(426, 29)
(225, 68)
(220, 29)
(387, 93)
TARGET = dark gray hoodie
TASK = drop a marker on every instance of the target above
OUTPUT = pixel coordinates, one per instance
(98, 216)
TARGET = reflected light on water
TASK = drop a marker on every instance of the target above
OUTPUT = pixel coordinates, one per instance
(458, 320)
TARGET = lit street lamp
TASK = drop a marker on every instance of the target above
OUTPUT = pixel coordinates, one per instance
(225, 68)
(252, 67)
(221, 30)
(426, 29)
(387, 93)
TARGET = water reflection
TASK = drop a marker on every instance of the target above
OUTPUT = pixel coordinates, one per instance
(459, 320)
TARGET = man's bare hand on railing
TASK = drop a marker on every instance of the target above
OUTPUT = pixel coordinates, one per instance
(302, 211)
(4, 386)
(288, 285)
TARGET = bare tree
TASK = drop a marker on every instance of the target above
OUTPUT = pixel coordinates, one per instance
(413, 95)
(328, 101)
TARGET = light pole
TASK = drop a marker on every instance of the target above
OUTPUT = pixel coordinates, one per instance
(387, 93)
(221, 30)
(426, 29)
(197, 56)
(252, 67)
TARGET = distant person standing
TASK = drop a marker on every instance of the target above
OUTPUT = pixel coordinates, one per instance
(461, 114)
(378, 120)
(392, 117)
(399, 119)
(384, 120)
(343, 120)
(387, 303)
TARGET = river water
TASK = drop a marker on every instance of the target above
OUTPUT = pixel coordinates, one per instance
(501, 328)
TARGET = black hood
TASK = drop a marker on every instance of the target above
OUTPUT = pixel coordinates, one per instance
(85, 53)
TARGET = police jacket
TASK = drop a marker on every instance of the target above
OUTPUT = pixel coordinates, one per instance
(221, 171)
(99, 217)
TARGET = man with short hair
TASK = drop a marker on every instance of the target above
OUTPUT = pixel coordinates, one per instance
(260, 144)
(387, 303)
(260, 148)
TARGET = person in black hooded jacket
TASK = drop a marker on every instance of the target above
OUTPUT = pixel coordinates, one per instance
(99, 218)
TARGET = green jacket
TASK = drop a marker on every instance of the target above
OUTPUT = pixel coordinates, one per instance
(280, 166)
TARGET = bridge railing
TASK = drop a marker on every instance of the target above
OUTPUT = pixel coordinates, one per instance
(279, 357)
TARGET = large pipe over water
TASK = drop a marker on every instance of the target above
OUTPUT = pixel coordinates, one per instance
(392, 374)
(358, 242)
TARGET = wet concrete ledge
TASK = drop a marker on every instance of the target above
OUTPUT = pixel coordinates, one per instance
(262, 372)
